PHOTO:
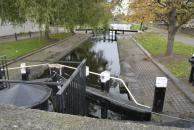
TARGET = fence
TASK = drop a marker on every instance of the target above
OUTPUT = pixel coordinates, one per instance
(71, 97)
(20, 36)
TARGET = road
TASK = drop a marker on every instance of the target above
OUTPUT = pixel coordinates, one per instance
(179, 36)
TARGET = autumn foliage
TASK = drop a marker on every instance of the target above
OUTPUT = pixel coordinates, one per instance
(173, 13)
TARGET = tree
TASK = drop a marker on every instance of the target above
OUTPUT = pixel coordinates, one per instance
(68, 13)
(141, 12)
(12, 12)
(174, 13)
(41, 12)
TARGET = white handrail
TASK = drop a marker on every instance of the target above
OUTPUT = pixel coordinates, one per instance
(94, 73)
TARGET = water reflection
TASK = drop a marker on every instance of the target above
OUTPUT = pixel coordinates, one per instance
(100, 56)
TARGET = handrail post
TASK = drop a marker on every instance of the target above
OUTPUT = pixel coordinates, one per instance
(24, 72)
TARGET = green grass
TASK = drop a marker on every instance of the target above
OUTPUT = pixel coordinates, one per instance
(180, 70)
(17, 49)
(20, 48)
(156, 45)
(60, 36)
(135, 27)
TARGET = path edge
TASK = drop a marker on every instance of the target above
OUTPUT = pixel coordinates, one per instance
(178, 83)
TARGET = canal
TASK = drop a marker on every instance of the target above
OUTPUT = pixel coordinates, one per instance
(101, 55)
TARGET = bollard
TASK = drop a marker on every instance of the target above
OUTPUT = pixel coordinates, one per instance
(16, 38)
(191, 77)
(109, 35)
(112, 36)
(159, 94)
(105, 81)
(104, 36)
(30, 34)
(115, 35)
(24, 72)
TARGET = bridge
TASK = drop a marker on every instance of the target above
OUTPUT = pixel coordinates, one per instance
(111, 33)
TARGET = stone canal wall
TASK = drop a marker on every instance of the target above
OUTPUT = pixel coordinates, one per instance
(13, 118)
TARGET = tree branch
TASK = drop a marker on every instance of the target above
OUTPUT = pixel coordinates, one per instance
(160, 3)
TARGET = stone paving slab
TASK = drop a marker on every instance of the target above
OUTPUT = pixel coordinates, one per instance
(145, 72)
(13, 118)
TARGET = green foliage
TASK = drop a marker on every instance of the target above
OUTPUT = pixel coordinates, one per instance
(69, 13)
(173, 13)
(135, 27)
(12, 11)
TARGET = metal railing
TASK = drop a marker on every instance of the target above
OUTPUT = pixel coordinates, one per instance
(71, 97)
(93, 73)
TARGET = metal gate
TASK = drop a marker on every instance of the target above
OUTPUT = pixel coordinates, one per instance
(71, 97)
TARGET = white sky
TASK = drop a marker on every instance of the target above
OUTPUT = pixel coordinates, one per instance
(123, 8)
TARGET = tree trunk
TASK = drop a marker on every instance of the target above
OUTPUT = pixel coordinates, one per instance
(72, 30)
(141, 26)
(171, 36)
(40, 34)
(46, 31)
(172, 29)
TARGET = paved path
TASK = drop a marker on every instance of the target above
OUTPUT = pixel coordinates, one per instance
(140, 73)
(12, 118)
(179, 37)
(53, 53)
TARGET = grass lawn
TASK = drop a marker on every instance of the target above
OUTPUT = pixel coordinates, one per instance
(19, 48)
(60, 36)
(178, 64)
(135, 27)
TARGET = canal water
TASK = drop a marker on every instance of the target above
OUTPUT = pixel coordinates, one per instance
(101, 55)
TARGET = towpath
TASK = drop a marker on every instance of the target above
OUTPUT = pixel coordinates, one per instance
(140, 72)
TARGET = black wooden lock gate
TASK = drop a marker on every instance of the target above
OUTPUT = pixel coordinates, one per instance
(71, 97)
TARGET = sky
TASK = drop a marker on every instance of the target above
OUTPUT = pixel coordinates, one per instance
(123, 8)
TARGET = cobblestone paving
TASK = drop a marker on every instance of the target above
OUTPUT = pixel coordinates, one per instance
(134, 62)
